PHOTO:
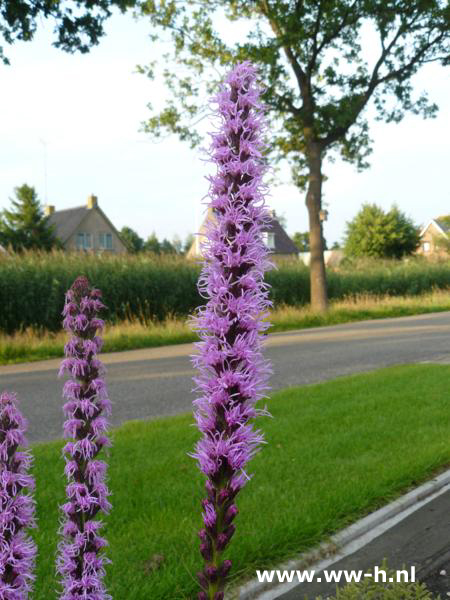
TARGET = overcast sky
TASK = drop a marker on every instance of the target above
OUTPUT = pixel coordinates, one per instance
(84, 113)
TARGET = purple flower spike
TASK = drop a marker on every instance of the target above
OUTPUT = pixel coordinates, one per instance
(81, 562)
(233, 374)
(17, 549)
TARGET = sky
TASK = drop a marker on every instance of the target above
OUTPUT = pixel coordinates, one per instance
(70, 127)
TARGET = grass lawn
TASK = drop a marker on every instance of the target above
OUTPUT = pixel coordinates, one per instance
(334, 452)
(29, 346)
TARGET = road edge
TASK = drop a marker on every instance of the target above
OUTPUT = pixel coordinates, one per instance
(354, 535)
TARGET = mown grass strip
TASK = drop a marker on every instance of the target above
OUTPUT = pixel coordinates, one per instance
(31, 346)
(334, 452)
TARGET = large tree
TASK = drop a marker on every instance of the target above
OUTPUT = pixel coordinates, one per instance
(379, 234)
(312, 56)
(78, 24)
(25, 227)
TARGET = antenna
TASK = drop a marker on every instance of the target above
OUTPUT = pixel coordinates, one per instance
(44, 144)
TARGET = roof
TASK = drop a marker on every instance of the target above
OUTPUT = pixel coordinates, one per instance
(66, 221)
(283, 243)
(442, 224)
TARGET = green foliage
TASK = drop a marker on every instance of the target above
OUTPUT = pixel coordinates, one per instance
(301, 240)
(148, 287)
(312, 62)
(25, 227)
(132, 240)
(75, 29)
(379, 234)
(368, 589)
(152, 244)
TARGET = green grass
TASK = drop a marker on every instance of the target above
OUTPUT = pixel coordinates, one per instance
(334, 452)
(31, 346)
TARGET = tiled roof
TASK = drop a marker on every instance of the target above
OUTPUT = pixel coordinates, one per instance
(283, 243)
(444, 223)
(66, 221)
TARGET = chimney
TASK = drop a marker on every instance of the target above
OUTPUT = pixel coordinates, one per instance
(92, 201)
(49, 210)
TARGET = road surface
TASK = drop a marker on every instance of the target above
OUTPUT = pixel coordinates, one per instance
(158, 381)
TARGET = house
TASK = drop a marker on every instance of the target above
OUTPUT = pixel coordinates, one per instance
(274, 236)
(85, 228)
(332, 258)
(434, 236)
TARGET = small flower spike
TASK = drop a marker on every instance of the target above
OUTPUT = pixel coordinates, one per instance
(17, 549)
(81, 562)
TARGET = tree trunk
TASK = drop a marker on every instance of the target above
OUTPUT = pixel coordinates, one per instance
(319, 298)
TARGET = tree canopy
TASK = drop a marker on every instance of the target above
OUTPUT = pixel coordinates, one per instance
(25, 227)
(379, 234)
(132, 240)
(322, 63)
(78, 24)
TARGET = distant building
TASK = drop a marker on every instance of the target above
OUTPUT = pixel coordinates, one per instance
(332, 258)
(436, 230)
(274, 236)
(85, 228)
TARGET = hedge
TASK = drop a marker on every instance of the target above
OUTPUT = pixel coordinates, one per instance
(147, 287)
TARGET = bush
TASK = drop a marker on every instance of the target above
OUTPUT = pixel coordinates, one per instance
(146, 287)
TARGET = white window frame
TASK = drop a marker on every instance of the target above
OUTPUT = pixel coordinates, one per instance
(83, 241)
(426, 246)
(105, 240)
(269, 239)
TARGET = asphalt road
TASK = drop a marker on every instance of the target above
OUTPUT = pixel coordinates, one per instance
(158, 381)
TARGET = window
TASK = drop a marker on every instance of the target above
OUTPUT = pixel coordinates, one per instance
(269, 239)
(426, 246)
(105, 241)
(83, 241)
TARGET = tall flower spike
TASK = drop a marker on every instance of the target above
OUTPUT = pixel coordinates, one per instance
(17, 549)
(81, 562)
(233, 374)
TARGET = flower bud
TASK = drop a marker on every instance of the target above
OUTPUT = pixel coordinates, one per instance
(211, 573)
(225, 568)
(231, 513)
(206, 550)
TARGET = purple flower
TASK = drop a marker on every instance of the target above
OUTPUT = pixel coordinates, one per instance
(232, 372)
(81, 562)
(17, 550)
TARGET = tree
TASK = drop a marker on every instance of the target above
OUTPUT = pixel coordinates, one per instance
(166, 247)
(132, 240)
(188, 242)
(301, 240)
(379, 234)
(152, 244)
(77, 29)
(177, 244)
(25, 227)
(311, 55)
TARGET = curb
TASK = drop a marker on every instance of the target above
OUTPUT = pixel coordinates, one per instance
(325, 554)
